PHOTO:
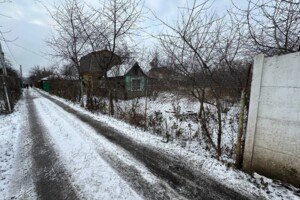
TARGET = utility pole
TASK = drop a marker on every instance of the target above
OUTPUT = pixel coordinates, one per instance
(4, 76)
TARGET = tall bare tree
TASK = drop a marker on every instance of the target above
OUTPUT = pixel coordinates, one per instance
(68, 42)
(199, 44)
(273, 25)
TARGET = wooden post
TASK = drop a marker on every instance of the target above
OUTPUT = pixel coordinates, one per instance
(239, 146)
(146, 88)
(238, 159)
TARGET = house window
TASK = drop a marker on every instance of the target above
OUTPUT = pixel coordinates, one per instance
(136, 85)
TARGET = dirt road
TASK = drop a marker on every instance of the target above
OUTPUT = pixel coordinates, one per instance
(49, 177)
(186, 183)
(175, 179)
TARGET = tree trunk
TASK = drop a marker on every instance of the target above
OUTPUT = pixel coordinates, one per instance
(111, 103)
(81, 92)
(239, 152)
(146, 102)
(201, 110)
(88, 94)
(219, 109)
(203, 121)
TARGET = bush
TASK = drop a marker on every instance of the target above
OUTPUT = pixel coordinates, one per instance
(12, 81)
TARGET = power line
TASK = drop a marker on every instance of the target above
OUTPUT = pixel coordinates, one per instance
(31, 51)
(8, 47)
(22, 47)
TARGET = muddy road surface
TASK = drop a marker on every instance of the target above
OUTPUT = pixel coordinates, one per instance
(177, 180)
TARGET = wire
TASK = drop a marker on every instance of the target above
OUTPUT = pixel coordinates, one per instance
(8, 47)
(29, 50)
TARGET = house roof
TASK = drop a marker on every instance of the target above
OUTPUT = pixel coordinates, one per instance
(164, 73)
(58, 76)
(122, 70)
(118, 70)
(98, 61)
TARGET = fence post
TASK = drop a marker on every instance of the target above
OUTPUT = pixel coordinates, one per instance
(238, 159)
(253, 112)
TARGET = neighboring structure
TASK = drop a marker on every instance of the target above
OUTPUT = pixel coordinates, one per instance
(272, 145)
(44, 84)
(165, 78)
(127, 83)
(95, 64)
(93, 67)
(58, 84)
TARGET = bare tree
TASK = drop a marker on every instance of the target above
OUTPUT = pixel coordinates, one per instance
(199, 44)
(273, 26)
(68, 42)
(154, 63)
(37, 72)
(69, 70)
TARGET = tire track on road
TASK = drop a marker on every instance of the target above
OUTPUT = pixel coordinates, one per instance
(50, 178)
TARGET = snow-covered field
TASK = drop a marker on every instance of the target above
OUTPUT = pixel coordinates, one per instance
(175, 114)
(92, 176)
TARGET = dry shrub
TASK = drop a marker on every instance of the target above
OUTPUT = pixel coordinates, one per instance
(97, 104)
(155, 122)
(132, 115)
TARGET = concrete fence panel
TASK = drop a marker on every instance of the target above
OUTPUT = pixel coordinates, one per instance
(272, 146)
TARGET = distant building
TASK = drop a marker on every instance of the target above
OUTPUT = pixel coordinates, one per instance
(96, 64)
(165, 78)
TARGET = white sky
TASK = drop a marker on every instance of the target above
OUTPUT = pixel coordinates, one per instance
(26, 25)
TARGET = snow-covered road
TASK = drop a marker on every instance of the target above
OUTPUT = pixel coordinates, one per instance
(63, 164)
(65, 154)
(104, 164)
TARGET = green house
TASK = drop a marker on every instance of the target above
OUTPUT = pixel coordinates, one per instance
(128, 84)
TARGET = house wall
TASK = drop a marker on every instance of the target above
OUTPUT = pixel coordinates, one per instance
(136, 73)
(133, 94)
(272, 145)
(45, 85)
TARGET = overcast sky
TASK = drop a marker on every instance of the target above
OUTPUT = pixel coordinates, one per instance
(26, 25)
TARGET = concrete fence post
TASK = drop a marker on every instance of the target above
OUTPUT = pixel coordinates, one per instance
(253, 112)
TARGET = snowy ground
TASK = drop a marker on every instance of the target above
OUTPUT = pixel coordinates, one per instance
(180, 111)
(10, 129)
(79, 148)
